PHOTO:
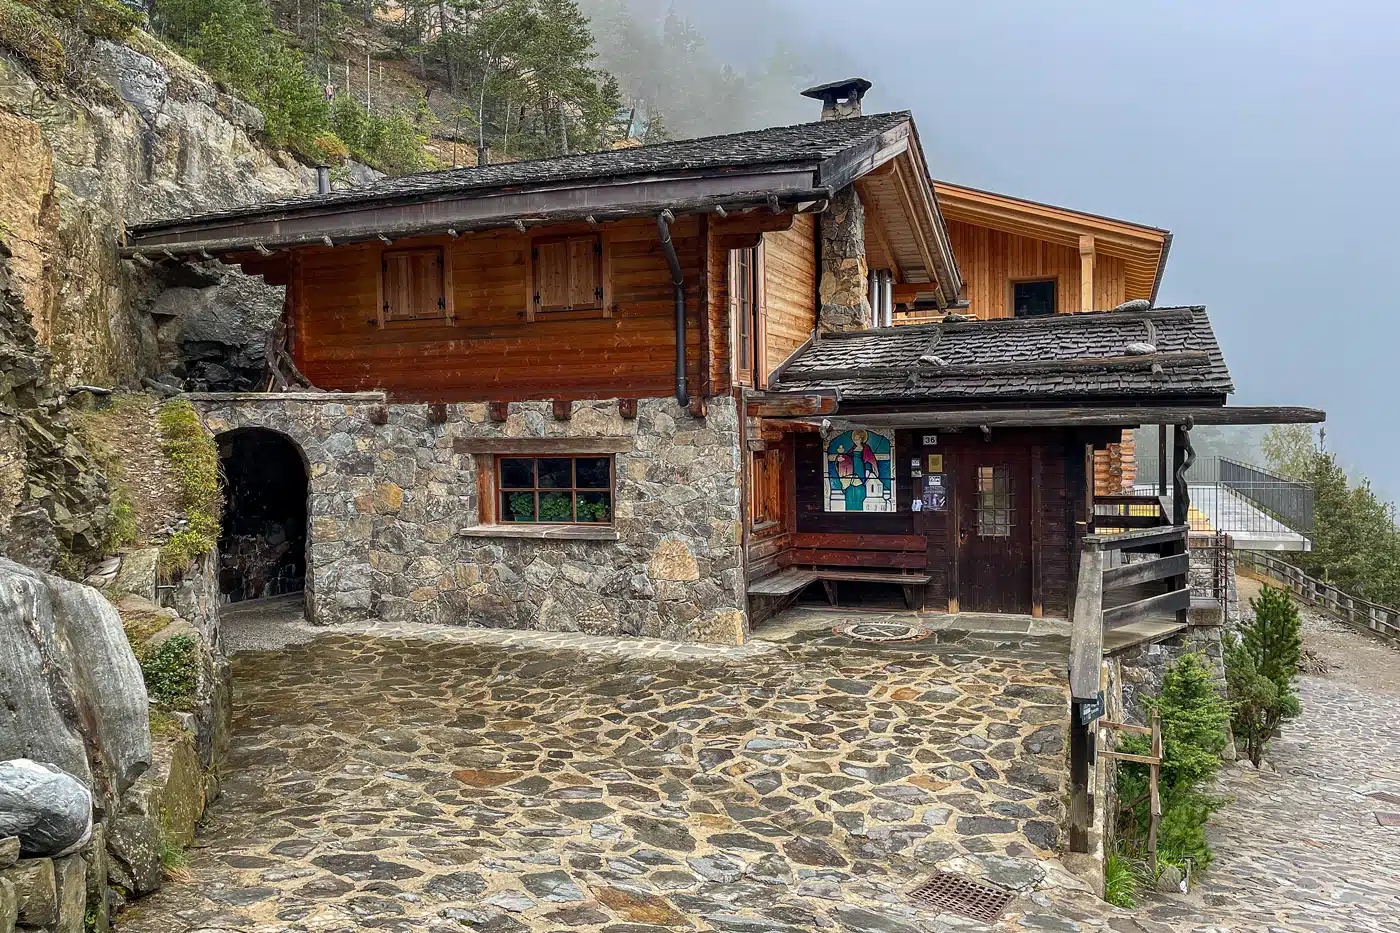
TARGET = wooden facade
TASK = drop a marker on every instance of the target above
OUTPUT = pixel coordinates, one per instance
(1028, 570)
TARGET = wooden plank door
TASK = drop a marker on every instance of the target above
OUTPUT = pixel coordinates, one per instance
(994, 506)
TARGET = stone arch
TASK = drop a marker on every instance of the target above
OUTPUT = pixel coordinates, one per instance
(265, 535)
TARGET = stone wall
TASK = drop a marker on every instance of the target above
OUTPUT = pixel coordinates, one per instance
(388, 503)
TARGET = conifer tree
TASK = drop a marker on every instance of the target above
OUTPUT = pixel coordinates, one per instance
(1260, 667)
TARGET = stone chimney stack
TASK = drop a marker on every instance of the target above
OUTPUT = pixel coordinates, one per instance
(840, 99)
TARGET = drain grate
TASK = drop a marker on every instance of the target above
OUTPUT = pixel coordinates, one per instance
(960, 894)
(882, 631)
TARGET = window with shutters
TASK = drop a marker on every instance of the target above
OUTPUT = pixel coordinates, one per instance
(567, 276)
(415, 286)
(745, 298)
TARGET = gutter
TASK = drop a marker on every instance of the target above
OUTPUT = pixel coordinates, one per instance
(663, 229)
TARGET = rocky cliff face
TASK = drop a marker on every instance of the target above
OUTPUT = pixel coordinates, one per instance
(148, 136)
(142, 134)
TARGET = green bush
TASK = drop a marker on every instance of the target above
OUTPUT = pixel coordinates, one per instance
(1260, 667)
(1193, 719)
(171, 672)
(195, 458)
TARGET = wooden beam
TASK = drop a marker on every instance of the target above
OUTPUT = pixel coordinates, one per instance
(1086, 272)
(1142, 538)
(788, 406)
(1168, 603)
(542, 445)
(1146, 571)
(752, 222)
(1126, 416)
(1086, 626)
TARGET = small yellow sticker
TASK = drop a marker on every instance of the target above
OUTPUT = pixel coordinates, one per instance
(935, 463)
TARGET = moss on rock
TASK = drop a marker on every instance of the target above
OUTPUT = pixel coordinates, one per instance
(195, 459)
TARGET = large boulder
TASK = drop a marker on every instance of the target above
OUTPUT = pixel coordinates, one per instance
(50, 811)
(71, 691)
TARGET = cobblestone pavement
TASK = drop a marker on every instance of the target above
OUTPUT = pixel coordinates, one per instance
(1301, 848)
(511, 785)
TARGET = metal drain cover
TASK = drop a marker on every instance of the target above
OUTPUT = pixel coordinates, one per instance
(882, 631)
(959, 894)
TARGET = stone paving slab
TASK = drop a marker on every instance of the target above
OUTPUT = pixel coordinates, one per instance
(495, 782)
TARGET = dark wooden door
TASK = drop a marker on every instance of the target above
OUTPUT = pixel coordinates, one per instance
(993, 508)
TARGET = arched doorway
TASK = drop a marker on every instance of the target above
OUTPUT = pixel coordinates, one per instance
(262, 545)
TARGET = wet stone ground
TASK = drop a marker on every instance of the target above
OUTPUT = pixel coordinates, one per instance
(1301, 848)
(503, 784)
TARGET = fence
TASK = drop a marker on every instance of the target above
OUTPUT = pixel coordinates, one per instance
(1235, 497)
(1359, 613)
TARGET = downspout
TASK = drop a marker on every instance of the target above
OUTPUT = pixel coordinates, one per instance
(663, 228)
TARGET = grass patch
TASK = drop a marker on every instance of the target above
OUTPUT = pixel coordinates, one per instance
(163, 725)
(171, 672)
(33, 36)
(121, 438)
(175, 861)
(194, 458)
(1120, 881)
(140, 626)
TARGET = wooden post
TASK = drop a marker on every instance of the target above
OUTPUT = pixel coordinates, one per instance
(1182, 458)
(1161, 459)
(1086, 272)
(1085, 664)
(1155, 810)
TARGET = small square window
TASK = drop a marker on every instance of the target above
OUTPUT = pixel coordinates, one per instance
(1033, 299)
(556, 490)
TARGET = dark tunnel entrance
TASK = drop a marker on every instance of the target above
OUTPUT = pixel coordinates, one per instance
(262, 545)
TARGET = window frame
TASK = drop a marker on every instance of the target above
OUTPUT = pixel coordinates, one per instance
(602, 307)
(748, 356)
(994, 507)
(500, 490)
(1052, 280)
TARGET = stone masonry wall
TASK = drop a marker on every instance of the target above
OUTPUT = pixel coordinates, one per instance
(844, 287)
(388, 502)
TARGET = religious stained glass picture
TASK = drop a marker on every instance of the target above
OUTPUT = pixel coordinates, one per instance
(860, 472)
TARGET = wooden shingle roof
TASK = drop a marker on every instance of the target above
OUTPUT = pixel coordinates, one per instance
(1161, 353)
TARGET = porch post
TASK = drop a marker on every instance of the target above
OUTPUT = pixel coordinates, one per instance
(1161, 459)
(1183, 455)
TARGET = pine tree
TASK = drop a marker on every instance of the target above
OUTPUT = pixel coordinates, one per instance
(1260, 667)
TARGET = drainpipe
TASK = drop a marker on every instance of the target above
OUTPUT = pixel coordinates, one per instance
(663, 228)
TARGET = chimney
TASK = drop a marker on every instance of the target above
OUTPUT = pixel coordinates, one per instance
(323, 179)
(840, 99)
(483, 155)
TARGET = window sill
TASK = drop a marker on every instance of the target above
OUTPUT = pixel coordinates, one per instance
(543, 532)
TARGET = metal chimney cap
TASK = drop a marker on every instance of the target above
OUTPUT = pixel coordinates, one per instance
(850, 87)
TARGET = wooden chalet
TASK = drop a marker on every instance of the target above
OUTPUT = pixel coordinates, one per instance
(688, 370)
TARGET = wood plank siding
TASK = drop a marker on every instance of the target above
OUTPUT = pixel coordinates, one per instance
(991, 260)
(486, 347)
(790, 283)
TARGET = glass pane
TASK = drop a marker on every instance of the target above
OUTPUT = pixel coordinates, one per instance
(556, 506)
(556, 472)
(593, 473)
(517, 473)
(517, 506)
(594, 507)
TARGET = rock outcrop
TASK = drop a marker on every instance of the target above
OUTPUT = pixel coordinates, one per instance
(71, 691)
(47, 810)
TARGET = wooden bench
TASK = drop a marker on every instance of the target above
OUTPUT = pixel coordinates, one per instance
(840, 558)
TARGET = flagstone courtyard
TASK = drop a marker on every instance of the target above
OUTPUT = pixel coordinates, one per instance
(503, 781)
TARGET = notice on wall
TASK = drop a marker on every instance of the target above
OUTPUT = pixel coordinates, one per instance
(935, 495)
(916, 467)
(935, 463)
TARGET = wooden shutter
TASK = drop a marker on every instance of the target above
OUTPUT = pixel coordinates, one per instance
(414, 285)
(568, 274)
(552, 275)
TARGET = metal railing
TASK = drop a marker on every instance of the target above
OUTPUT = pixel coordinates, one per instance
(1235, 497)
(1353, 610)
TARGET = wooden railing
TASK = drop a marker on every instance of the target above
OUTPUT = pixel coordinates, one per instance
(1090, 618)
(1357, 612)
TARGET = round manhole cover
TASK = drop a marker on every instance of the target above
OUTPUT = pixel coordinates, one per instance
(882, 631)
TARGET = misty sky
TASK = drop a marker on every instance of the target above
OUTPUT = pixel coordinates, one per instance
(1265, 134)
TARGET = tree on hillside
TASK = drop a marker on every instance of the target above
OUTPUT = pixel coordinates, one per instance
(1356, 544)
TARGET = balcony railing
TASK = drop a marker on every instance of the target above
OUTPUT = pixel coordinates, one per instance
(1236, 498)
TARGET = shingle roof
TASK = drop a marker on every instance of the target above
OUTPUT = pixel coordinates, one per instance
(801, 144)
(1056, 358)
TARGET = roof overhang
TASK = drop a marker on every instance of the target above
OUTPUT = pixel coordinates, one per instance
(789, 189)
(1143, 249)
(1127, 415)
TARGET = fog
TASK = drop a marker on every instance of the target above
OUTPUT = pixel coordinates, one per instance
(1262, 133)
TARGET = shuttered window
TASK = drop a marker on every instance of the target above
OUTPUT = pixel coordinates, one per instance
(568, 274)
(414, 285)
